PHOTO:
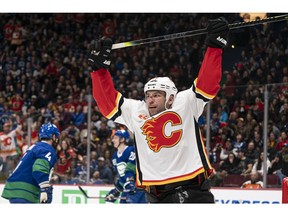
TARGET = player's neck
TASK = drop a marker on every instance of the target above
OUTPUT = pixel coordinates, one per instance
(48, 142)
(121, 147)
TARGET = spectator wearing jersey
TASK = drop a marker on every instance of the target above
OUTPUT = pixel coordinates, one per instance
(81, 170)
(8, 141)
(239, 142)
(254, 182)
(64, 154)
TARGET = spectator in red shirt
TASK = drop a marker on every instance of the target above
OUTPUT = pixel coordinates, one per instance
(282, 140)
(17, 103)
(64, 162)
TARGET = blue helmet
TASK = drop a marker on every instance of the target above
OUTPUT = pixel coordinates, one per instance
(48, 130)
(122, 134)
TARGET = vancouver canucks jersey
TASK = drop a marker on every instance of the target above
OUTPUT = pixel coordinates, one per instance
(35, 168)
(124, 164)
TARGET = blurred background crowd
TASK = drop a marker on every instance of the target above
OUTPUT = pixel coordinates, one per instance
(44, 76)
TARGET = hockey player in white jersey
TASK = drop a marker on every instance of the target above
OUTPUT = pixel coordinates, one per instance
(172, 162)
(124, 164)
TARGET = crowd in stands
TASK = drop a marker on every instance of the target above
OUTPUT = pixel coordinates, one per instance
(44, 76)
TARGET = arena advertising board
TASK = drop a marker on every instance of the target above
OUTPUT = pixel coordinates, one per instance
(70, 194)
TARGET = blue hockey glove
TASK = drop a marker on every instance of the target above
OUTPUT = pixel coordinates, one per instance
(99, 56)
(46, 192)
(112, 195)
(217, 33)
(129, 187)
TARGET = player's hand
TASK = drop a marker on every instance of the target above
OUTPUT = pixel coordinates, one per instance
(99, 56)
(129, 187)
(46, 192)
(112, 195)
(217, 33)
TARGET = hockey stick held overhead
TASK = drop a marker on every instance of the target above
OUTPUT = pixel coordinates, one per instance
(197, 32)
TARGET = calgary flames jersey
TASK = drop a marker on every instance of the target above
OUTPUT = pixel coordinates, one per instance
(169, 146)
(8, 145)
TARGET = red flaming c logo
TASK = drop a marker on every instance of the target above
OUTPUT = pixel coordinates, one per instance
(7, 141)
(154, 129)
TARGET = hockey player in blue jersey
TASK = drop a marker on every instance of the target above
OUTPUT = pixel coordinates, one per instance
(123, 161)
(29, 182)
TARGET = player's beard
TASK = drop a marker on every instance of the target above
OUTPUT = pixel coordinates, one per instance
(55, 142)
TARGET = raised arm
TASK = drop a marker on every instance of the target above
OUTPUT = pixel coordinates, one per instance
(103, 90)
(104, 93)
(207, 82)
(209, 77)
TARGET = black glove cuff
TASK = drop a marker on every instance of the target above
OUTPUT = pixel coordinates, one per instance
(99, 57)
(216, 40)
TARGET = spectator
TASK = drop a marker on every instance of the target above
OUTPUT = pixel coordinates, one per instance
(8, 143)
(81, 148)
(227, 149)
(64, 154)
(241, 128)
(17, 103)
(215, 124)
(254, 182)
(106, 173)
(282, 160)
(223, 114)
(96, 180)
(245, 163)
(251, 152)
(258, 141)
(271, 127)
(251, 123)
(81, 170)
(259, 164)
(271, 146)
(283, 123)
(283, 139)
(78, 117)
(239, 143)
(94, 159)
(231, 165)
(103, 131)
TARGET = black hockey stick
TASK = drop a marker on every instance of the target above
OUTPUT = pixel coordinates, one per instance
(197, 32)
(94, 197)
(87, 196)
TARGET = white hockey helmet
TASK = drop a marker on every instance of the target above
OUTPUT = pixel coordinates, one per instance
(162, 84)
